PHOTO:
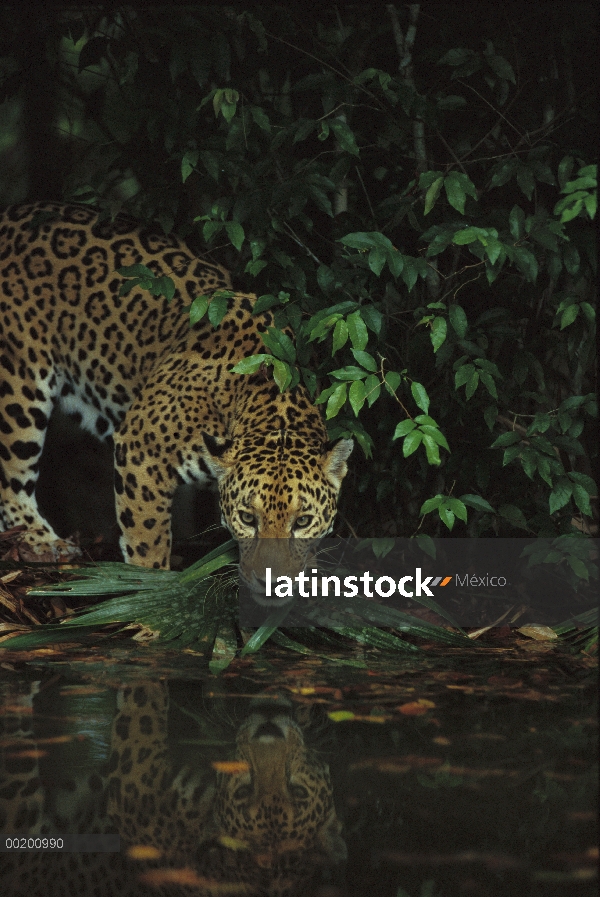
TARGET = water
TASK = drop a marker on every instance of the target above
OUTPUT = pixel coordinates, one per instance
(449, 773)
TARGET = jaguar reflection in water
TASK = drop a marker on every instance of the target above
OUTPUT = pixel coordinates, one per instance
(247, 809)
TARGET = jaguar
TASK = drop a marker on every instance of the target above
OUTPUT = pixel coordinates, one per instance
(130, 366)
(259, 819)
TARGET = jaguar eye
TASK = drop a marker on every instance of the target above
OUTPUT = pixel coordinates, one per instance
(243, 792)
(303, 521)
(247, 518)
(298, 792)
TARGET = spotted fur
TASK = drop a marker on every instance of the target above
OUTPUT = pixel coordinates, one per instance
(258, 820)
(131, 367)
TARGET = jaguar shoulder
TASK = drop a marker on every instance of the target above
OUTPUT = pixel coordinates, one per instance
(132, 368)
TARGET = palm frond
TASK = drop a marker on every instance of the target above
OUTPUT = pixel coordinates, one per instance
(198, 605)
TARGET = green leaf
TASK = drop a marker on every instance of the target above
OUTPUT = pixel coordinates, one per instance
(344, 135)
(321, 199)
(516, 221)
(336, 400)
(560, 495)
(324, 325)
(501, 67)
(235, 232)
(432, 194)
(543, 466)
(261, 118)
(578, 567)
(349, 372)
(252, 363)
(372, 318)
(529, 460)
(211, 164)
(434, 433)
(591, 204)
(188, 164)
(514, 516)
(541, 422)
(357, 396)
(217, 310)
(425, 421)
(198, 309)
(525, 180)
(582, 499)
(489, 384)
(581, 183)
(305, 127)
(463, 375)
(395, 262)
(360, 240)
(511, 453)
(431, 504)
(377, 259)
(409, 272)
(411, 442)
(325, 278)
(432, 450)
(438, 332)
(505, 439)
(281, 374)
(163, 286)
(392, 381)
(340, 335)
(128, 285)
(403, 428)
(136, 271)
(310, 381)
(357, 330)
(467, 235)
(458, 319)
(472, 384)
(372, 388)
(457, 507)
(211, 228)
(365, 359)
(446, 516)
(582, 479)
(477, 502)
(264, 632)
(526, 262)
(419, 394)
(265, 302)
(489, 415)
(570, 206)
(503, 172)
(568, 316)
(455, 192)
(565, 169)
(280, 344)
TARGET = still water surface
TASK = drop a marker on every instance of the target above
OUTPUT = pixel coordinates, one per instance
(449, 774)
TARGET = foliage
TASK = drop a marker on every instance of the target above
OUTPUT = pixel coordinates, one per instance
(197, 608)
(412, 197)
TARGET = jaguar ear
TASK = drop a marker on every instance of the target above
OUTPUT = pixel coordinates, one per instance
(214, 457)
(336, 454)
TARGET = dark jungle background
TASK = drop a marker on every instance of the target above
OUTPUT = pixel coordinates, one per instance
(412, 188)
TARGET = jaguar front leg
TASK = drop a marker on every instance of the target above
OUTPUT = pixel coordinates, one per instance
(144, 489)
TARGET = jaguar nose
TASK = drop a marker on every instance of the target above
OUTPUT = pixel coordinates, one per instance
(268, 730)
